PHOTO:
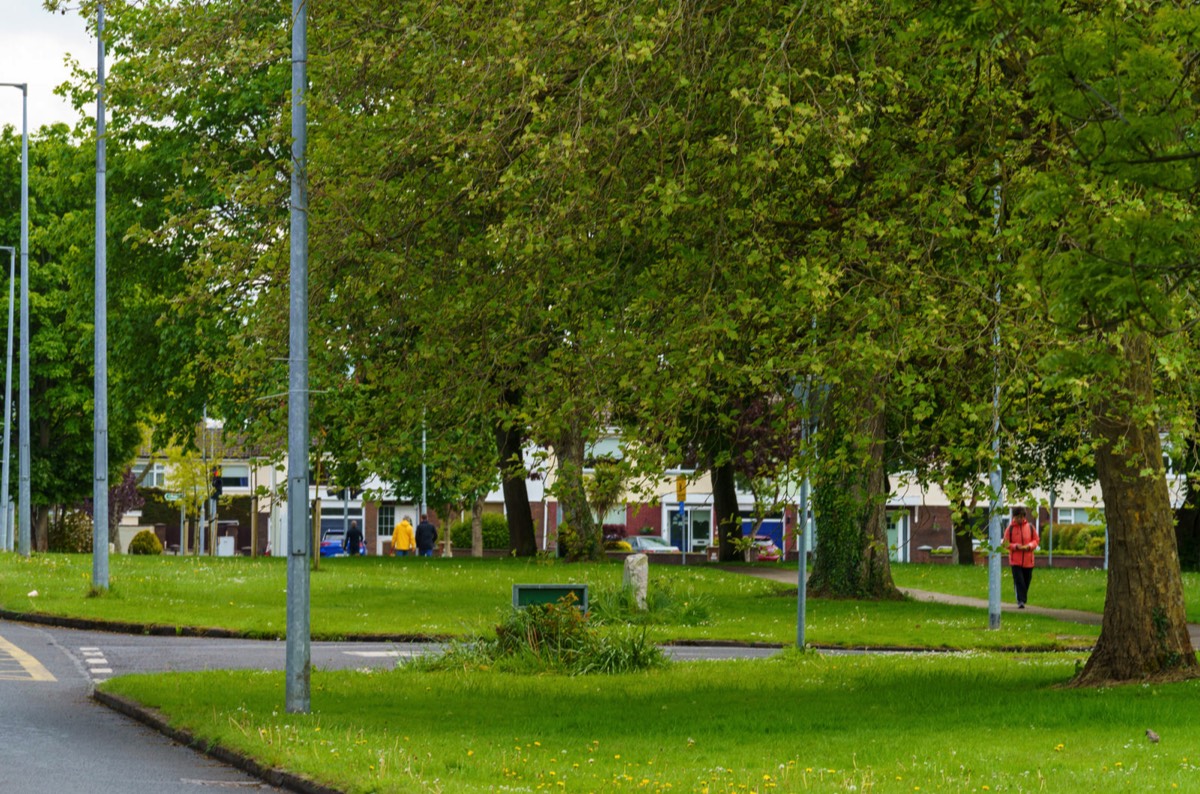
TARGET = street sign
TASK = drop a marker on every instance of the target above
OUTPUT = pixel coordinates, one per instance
(681, 488)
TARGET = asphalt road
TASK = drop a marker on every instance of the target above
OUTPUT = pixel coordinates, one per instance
(54, 738)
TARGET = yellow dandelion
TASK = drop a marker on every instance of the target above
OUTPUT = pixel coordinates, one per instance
(470, 752)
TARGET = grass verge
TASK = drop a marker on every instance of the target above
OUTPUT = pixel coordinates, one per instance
(800, 722)
(465, 597)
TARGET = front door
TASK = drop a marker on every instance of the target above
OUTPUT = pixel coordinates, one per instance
(897, 535)
(691, 531)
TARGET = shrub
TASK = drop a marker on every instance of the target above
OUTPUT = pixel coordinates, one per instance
(1083, 538)
(550, 638)
(145, 542)
(617, 545)
(495, 532)
(71, 533)
(613, 533)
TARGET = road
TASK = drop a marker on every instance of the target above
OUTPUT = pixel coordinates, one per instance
(55, 739)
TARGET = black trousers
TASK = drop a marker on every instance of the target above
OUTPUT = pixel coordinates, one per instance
(1021, 579)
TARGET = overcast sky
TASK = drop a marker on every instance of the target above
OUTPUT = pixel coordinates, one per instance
(33, 44)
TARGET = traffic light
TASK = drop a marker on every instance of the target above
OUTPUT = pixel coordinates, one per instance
(216, 480)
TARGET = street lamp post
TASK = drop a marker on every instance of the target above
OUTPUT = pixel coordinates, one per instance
(6, 527)
(23, 421)
(299, 649)
(100, 528)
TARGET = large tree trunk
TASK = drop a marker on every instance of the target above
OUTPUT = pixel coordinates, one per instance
(578, 528)
(509, 444)
(1144, 631)
(725, 511)
(965, 533)
(849, 507)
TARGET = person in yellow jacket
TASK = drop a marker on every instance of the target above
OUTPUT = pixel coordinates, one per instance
(404, 542)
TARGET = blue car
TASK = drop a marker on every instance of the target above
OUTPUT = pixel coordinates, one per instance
(331, 544)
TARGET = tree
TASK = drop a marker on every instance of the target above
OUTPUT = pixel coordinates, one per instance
(1105, 217)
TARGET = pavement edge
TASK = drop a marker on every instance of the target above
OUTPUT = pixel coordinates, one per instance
(154, 719)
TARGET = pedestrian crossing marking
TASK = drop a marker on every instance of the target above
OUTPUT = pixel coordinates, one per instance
(16, 665)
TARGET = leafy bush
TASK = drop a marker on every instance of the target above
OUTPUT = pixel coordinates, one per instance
(613, 533)
(71, 533)
(495, 532)
(554, 638)
(617, 545)
(1082, 538)
(145, 542)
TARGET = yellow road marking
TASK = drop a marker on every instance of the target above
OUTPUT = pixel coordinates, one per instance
(16, 665)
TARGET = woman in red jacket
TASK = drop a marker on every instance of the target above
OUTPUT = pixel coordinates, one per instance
(1021, 539)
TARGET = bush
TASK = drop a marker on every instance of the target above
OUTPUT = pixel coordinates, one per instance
(495, 532)
(613, 533)
(1082, 538)
(553, 638)
(617, 545)
(145, 542)
(71, 533)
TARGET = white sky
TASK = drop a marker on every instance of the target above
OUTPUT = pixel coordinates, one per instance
(33, 44)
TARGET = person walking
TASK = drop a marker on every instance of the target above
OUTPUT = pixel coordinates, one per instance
(354, 539)
(404, 541)
(426, 537)
(1021, 539)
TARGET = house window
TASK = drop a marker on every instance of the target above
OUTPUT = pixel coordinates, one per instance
(387, 520)
(156, 477)
(235, 475)
(1080, 515)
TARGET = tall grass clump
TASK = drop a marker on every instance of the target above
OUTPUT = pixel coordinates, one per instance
(667, 604)
(550, 638)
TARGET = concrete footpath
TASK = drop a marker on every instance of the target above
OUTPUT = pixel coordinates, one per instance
(1071, 615)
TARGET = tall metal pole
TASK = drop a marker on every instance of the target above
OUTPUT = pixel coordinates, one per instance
(5, 524)
(997, 479)
(23, 495)
(299, 649)
(100, 468)
(23, 410)
(422, 511)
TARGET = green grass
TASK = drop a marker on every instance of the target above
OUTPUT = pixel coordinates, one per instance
(802, 722)
(461, 597)
(1058, 588)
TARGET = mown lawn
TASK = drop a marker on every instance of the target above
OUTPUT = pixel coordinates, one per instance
(464, 596)
(800, 722)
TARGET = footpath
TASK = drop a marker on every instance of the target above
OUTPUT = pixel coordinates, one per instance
(1072, 615)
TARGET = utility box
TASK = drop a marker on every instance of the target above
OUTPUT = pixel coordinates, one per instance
(525, 595)
(225, 546)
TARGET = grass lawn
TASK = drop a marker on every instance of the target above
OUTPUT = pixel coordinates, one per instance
(799, 722)
(1058, 588)
(463, 596)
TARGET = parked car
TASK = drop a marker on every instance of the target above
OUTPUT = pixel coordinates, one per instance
(650, 544)
(331, 544)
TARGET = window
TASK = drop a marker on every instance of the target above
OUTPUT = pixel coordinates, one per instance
(387, 520)
(155, 478)
(235, 475)
(1080, 515)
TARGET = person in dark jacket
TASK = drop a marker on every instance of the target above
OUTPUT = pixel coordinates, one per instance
(426, 537)
(354, 539)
